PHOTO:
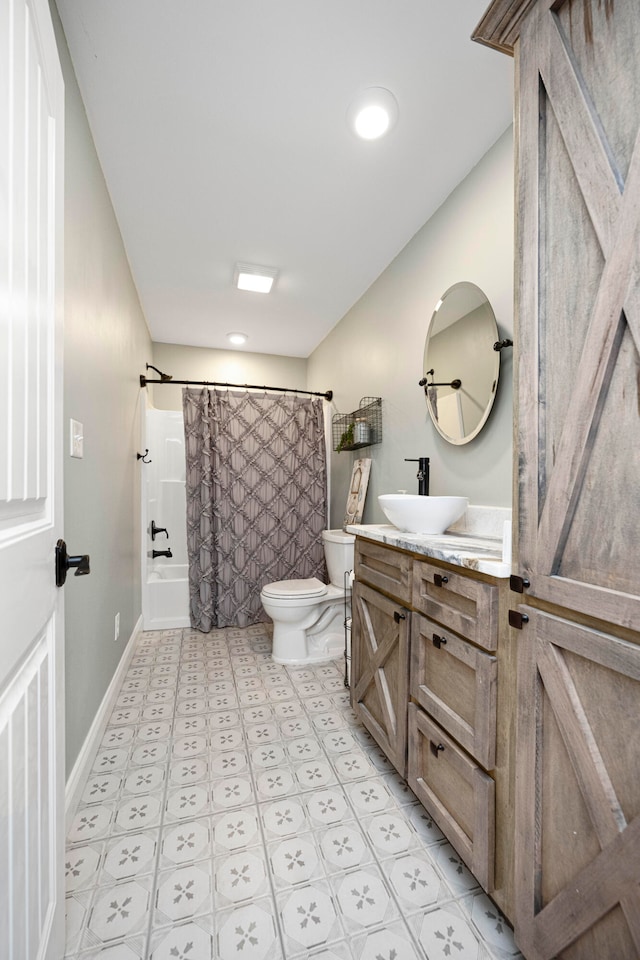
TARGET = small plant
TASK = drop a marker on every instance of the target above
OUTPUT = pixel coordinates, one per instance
(346, 440)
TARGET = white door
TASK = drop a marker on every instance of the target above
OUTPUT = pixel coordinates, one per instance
(31, 616)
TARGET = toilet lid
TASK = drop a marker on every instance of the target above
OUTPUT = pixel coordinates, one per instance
(311, 587)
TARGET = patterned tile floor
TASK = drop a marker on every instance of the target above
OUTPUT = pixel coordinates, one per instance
(236, 809)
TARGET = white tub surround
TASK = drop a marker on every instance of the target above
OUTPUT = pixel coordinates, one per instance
(165, 580)
(480, 540)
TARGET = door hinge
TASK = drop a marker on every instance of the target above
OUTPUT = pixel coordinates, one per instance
(517, 619)
(518, 584)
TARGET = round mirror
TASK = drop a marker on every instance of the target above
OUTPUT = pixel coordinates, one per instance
(461, 366)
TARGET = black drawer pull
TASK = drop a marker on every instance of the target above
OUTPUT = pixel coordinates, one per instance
(398, 616)
(439, 580)
(435, 748)
(438, 641)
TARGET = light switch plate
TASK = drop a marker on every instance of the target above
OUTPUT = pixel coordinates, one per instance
(76, 439)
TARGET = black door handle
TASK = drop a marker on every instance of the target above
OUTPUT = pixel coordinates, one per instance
(399, 616)
(64, 562)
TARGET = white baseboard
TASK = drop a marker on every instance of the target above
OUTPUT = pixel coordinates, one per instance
(81, 768)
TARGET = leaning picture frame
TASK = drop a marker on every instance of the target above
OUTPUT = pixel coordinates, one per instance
(357, 491)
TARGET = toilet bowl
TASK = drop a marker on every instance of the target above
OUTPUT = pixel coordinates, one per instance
(308, 615)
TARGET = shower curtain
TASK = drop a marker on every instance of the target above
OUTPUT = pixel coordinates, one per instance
(256, 499)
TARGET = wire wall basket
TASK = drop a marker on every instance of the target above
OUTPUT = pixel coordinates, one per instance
(360, 428)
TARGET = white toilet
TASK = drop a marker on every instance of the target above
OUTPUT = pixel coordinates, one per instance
(308, 615)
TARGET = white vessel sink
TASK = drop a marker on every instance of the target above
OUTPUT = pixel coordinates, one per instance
(415, 514)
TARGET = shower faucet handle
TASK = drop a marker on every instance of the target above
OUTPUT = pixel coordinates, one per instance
(156, 530)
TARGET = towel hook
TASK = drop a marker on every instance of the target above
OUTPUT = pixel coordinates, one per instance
(143, 456)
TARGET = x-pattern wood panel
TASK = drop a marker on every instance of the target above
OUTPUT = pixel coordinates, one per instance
(380, 690)
(373, 671)
(616, 219)
(587, 898)
(605, 882)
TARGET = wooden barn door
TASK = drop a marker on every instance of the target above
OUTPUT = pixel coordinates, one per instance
(578, 439)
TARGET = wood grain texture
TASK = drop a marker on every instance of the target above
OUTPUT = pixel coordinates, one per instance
(470, 607)
(500, 25)
(578, 502)
(578, 689)
(384, 568)
(457, 684)
(380, 670)
(458, 794)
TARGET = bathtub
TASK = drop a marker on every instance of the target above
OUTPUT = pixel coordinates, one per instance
(167, 590)
(165, 580)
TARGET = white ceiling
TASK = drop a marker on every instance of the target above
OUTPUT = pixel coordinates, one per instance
(220, 126)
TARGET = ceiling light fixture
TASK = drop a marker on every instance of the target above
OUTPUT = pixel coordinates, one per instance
(237, 338)
(257, 279)
(373, 113)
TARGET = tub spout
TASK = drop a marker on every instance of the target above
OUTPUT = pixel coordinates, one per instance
(161, 553)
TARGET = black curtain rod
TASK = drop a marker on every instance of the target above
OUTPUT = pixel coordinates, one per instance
(328, 394)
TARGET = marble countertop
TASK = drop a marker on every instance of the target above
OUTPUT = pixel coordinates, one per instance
(474, 551)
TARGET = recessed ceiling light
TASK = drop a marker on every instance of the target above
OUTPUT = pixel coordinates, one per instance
(373, 113)
(237, 338)
(257, 279)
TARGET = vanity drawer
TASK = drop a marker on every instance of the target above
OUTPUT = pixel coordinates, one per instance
(384, 568)
(456, 683)
(458, 794)
(470, 607)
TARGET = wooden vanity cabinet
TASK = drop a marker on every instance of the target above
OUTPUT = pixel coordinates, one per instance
(433, 683)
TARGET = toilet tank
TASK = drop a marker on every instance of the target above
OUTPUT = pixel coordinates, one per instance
(338, 552)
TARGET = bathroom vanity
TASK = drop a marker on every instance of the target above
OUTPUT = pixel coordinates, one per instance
(433, 680)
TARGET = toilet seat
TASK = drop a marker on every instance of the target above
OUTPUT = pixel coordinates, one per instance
(295, 589)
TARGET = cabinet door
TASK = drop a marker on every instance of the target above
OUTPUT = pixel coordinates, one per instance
(457, 684)
(577, 796)
(380, 670)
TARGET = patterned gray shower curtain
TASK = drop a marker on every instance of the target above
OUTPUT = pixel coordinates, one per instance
(256, 499)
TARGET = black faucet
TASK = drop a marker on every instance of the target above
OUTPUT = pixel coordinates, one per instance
(422, 474)
(161, 553)
(156, 530)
